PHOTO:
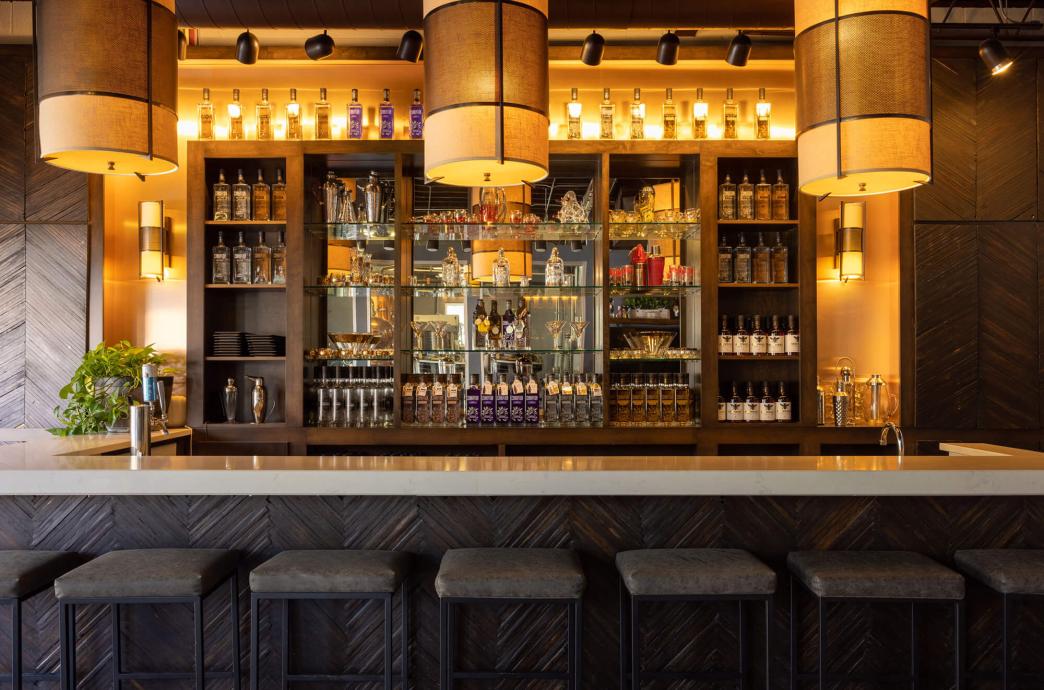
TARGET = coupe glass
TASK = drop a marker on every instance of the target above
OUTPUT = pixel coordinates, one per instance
(555, 327)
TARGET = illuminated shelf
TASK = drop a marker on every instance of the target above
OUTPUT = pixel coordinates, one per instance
(533, 351)
(758, 222)
(346, 361)
(233, 286)
(652, 291)
(641, 231)
(241, 223)
(760, 286)
(482, 290)
(759, 358)
(505, 231)
(348, 290)
(682, 355)
(245, 358)
(352, 231)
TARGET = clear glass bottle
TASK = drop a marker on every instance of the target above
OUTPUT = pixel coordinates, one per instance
(637, 116)
(386, 116)
(416, 116)
(780, 198)
(554, 269)
(768, 404)
(279, 197)
(222, 198)
(294, 130)
(792, 339)
(220, 262)
(240, 198)
(451, 269)
(762, 113)
(241, 262)
(727, 199)
(322, 116)
(501, 270)
(725, 337)
(507, 325)
(235, 117)
(517, 402)
(502, 401)
(261, 196)
(205, 118)
(776, 340)
(741, 339)
(606, 117)
(743, 261)
(279, 260)
(684, 401)
(726, 261)
(700, 110)
(574, 126)
(734, 408)
(762, 261)
(355, 117)
(784, 409)
(263, 118)
(758, 337)
(670, 116)
(763, 199)
(567, 403)
(532, 401)
(745, 199)
(730, 116)
(751, 405)
(261, 274)
(780, 261)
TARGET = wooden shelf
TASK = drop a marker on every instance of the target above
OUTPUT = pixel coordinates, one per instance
(759, 358)
(242, 223)
(245, 359)
(760, 286)
(759, 222)
(230, 286)
(643, 322)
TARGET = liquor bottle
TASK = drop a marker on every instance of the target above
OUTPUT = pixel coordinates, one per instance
(726, 261)
(734, 408)
(551, 406)
(780, 261)
(567, 409)
(416, 116)
(762, 112)
(554, 269)
(700, 110)
(758, 338)
(683, 400)
(669, 391)
(767, 412)
(386, 115)
(487, 402)
(279, 260)
(261, 261)
(409, 405)
(725, 345)
(582, 400)
(279, 197)
(517, 402)
(501, 270)
(763, 199)
(762, 261)
(263, 115)
(235, 117)
(745, 199)
(495, 334)
(481, 322)
(670, 116)
(453, 402)
(727, 199)
(532, 401)
(730, 116)
(220, 262)
(637, 116)
(597, 401)
(751, 405)
(574, 127)
(776, 344)
(294, 130)
(438, 402)
(240, 198)
(205, 118)
(507, 324)
(620, 400)
(355, 117)
(784, 412)
(261, 195)
(522, 324)
(792, 340)
(421, 395)
(606, 117)
(222, 198)
(741, 338)
(780, 198)
(723, 413)
(241, 262)
(472, 403)
(743, 261)
(653, 400)
(322, 116)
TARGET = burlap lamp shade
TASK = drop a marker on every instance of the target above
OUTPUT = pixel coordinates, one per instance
(486, 83)
(862, 65)
(107, 82)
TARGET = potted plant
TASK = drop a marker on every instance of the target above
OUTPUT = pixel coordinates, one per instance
(98, 396)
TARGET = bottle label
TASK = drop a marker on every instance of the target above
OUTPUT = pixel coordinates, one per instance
(518, 409)
(487, 413)
(775, 345)
(768, 411)
(725, 267)
(606, 123)
(471, 414)
(751, 411)
(722, 411)
(416, 121)
(322, 124)
(502, 413)
(221, 204)
(758, 344)
(279, 204)
(727, 204)
(241, 204)
(734, 412)
(783, 411)
(793, 343)
(220, 269)
(725, 344)
(387, 116)
(742, 268)
(355, 122)
(741, 344)
(532, 412)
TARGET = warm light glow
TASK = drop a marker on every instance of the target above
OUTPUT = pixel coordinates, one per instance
(590, 130)
(279, 129)
(293, 108)
(188, 129)
(484, 253)
(574, 108)
(552, 129)
(714, 131)
(653, 131)
(234, 110)
(850, 266)
(151, 264)
(780, 132)
(700, 110)
(150, 214)
(763, 109)
(1002, 68)
(221, 131)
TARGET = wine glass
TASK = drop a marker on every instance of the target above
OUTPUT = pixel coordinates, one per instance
(554, 327)
(577, 326)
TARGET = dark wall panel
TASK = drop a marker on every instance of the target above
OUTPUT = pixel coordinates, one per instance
(12, 136)
(1006, 150)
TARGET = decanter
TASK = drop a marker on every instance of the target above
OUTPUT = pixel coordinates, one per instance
(501, 270)
(554, 269)
(451, 269)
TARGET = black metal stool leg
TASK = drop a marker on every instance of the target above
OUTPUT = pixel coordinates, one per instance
(388, 642)
(1004, 640)
(197, 620)
(117, 665)
(451, 646)
(233, 614)
(624, 651)
(768, 642)
(255, 655)
(822, 643)
(744, 656)
(958, 644)
(68, 623)
(636, 643)
(793, 618)
(443, 643)
(915, 660)
(578, 645)
(404, 602)
(284, 643)
(16, 644)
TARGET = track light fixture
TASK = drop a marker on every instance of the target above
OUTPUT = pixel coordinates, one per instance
(247, 48)
(319, 46)
(431, 245)
(994, 54)
(594, 48)
(465, 246)
(410, 47)
(182, 45)
(667, 49)
(739, 50)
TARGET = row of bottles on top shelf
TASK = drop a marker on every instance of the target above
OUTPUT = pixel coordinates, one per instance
(354, 396)
(652, 400)
(243, 264)
(758, 264)
(748, 201)
(757, 340)
(243, 201)
(756, 408)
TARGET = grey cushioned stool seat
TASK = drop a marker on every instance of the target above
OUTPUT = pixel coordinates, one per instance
(147, 573)
(694, 572)
(1008, 571)
(875, 575)
(510, 574)
(25, 572)
(331, 571)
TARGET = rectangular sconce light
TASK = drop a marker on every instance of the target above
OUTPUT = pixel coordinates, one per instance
(849, 242)
(153, 240)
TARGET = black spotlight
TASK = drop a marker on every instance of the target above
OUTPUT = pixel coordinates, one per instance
(995, 56)
(667, 49)
(432, 245)
(319, 46)
(182, 45)
(739, 50)
(540, 246)
(247, 48)
(594, 47)
(410, 46)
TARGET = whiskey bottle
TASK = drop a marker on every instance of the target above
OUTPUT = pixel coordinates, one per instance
(621, 395)
(637, 116)
(495, 334)
(751, 405)
(205, 117)
(784, 411)
(780, 198)
(263, 114)
(745, 199)
(730, 116)
(582, 400)
(262, 261)
(726, 261)
(653, 400)
(294, 130)
(241, 262)
(758, 338)
(638, 399)
(768, 404)
(487, 402)
(669, 393)
(279, 261)
(507, 323)
(723, 413)
(438, 402)
(386, 115)
(453, 401)
(222, 198)
(355, 117)
(762, 261)
(762, 112)
(597, 401)
(763, 199)
(517, 402)
(606, 117)
(743, 261)
(322, 116)
(670, 116)
(734, 408)
(240, 198)
(481, 322)
(574, 126)
(780, 261)
(421, 395)
(741, 339)
(416, 116)
(532, 400)
(279, 197)
(776, 339)
(727, 199)
(235, 117)
(793, 338)
(220, 262)
(551, 401)
(685, 403)
(472, 399)
(566, 402)
(725, 344)
(409, 405)
(700, 110)
(260, 197)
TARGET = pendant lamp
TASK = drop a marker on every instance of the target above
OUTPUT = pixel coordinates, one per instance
(107, 85)
(486, 83)
(864, 117)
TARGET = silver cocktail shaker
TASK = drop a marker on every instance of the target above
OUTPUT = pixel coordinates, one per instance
(332, 197)
(841, 404)
(258, 399)
(230, 400)
(140, 429)
(373, 196)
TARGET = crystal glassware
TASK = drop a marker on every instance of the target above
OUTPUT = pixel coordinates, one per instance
(418, 328)
(554, 327)
(439, 329)
(577, 327)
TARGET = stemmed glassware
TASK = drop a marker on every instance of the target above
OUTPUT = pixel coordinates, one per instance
(577, 326)
(418, 328)
(439, 328)
(554, 327)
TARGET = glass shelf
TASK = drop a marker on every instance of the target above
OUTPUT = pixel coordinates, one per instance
(346, 362)
(672, 355)
(352, 231)
(483, 290)
(348, 290)
(652, 291)
(533, 351)
(506, 231)
(642, 231)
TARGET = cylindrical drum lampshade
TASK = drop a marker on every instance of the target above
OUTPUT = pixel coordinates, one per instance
(485, 252)
(486, 83)
(880, 97)
(107, 85)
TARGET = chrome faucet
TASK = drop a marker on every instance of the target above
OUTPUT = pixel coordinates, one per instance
(890, 426)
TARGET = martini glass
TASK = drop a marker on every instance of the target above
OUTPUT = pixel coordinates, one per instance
(418, 328)
(577, 326)
(439, 327)
(555, 327)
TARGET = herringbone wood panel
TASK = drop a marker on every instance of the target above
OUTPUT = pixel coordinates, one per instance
(1006, 145)
(12, 325)
(951, 195)
(13, 75)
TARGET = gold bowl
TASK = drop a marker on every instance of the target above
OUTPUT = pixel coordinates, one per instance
(353, 342)
(654, 342)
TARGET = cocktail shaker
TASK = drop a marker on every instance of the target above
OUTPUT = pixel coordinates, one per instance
(140, 429)
(332, 198)
(258, 399)
(841, 404)
(229, 400)
(372, 196)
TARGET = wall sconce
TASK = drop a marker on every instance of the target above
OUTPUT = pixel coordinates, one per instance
(849, 245)
(153, 240)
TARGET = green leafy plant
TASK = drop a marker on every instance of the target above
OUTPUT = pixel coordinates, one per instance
(98, 395)
(648, 302)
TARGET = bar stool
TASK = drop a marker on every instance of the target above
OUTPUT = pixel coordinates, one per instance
(690, 576)
(148, 576)
(873, 577)
(509, 576)
(330, 574)
(24, 574)
(1014, 574)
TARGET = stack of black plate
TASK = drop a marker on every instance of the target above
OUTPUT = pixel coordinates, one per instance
(228, 343)
(265, 345)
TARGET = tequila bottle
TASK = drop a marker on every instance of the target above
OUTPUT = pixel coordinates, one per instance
(573, 110)
(240, 198)
(670, 117)
(554, 269)
(582, 400)
(222, 198)
(758, 338)
(409, 406)
(279, 197)
(501, 270)
(422, 398)
(263, 113)
(355, 117)
(762, 113)
(606, 117)
(784, 411)
(567, 405)
(416, 116)
(235, 117)
(261, 195)
(745, 199)
(322, 116)
(205, 117)
(685, 403)
(241, 262)
(552, 407)
(730, 116)
(262, 261)
(637, 116)
(668, 400)
(743, 261)
(700, 111)
(780, 261)
(620, 393)
(780, 198)
(279, 261)
(763, 199)
(726, 262)
(220, 262)
(727, 199)
(762, 262)
(294, 130)
(768, 404)
(386, 115)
